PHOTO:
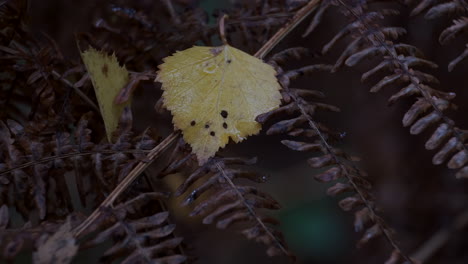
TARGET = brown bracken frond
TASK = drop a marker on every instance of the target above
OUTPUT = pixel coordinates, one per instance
(295, 118)
(27, 237)
(401, 63)
(459, 26)
(225, 203)
(34, 74)
(34, 166)
(141, 231)
(55, 162)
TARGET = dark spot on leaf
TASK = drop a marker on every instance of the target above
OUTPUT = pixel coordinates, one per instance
(212, 133)
(105, 69)
(229, 61)
(224, 114)
(207, 126)
(225, 125)
(193, 123)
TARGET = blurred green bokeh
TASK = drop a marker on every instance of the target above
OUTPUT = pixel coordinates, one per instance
(315, 231)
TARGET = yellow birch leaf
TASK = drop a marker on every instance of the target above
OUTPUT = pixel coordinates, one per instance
(108, 79)
(215, 93)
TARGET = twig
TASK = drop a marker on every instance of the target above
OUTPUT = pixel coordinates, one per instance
(222, 29)
(123, 185)
(440, 238)
(78, 91)
(284, 31)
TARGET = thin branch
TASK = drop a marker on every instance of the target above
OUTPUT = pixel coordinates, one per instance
(300, 15)
(222, 29)
(123, 185)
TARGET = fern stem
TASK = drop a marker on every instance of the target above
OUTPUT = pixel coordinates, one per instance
(347, 174)
(252, 211)
(414, 79)
(123, 185)
(131, 233)
(71, 155)
(284, 31)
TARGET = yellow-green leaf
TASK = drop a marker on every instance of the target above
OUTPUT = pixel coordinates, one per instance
(215, 93)
(108, 79)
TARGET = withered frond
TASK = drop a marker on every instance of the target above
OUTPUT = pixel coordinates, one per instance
(36, 167)
(457, 8)
(295, 118)
(401, 64)
(140, 230)
(221, 201)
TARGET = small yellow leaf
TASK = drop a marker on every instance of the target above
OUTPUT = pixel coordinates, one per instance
(215, 93)
(108, 79)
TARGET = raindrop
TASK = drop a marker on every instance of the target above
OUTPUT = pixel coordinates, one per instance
(343, 135)
(191, 197)
(264, 178)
